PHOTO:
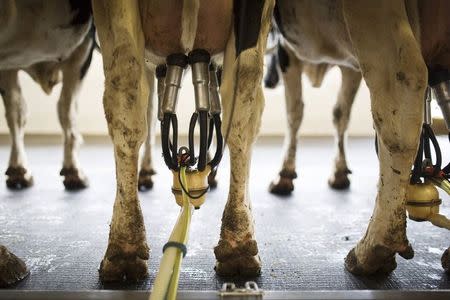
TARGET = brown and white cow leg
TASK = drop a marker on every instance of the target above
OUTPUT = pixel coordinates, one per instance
(291, 68)
(397, 89)
(125, 102)
(18, 176)
(237, 250)
(146, 172)
(351, 80)
(74, 178)
(12, 268)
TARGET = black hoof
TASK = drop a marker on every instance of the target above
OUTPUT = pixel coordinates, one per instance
(74, 180)
(339, 183)
(145, 181)
(18, 178)
(12, 268)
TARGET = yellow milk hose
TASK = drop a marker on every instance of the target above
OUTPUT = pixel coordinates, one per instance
(166, 282)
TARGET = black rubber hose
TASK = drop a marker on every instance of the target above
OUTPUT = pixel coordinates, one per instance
(219, 141)
(203, 152)
(175, 140)
(165, 143)
(210, 131)
(192, 124)
(437, 149)
(446, 169)
(417, 170)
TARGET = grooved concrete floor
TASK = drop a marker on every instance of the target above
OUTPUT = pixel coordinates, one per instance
(303, 239)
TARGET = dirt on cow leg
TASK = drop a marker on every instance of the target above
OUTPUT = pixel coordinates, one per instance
(125, 101)
(12, 268)
(237, 251)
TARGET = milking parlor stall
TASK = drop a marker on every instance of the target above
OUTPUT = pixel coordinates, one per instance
(246, 149)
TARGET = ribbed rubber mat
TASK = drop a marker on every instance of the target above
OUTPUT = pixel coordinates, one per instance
(303, 239)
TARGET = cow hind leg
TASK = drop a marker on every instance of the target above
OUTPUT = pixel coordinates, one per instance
(74, 178)
(291, 68)
(12, 268)
(18, 177)
(125, 102)
(397, 89)
(341, 114)
(237, 251)
(145, 181)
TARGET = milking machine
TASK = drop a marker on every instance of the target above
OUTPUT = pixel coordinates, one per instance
(422, 200)
(190, 168)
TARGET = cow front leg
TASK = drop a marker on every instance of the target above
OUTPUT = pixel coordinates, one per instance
(291, 68)
(18, 177)
(145, 181)
(351, 80)
(125, 101)
(73, 72)
(397, 87)
(12, 268)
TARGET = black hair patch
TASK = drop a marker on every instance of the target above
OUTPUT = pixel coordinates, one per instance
(87, 62)
(283, 58)
(83, 11)
(247, 23)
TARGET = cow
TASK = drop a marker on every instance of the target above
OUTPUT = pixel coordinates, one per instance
(399, 47)
(135, 34)
(286, 62)
(68, 63)
(55, 40)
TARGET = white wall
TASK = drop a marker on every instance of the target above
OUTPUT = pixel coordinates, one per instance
(317, 120)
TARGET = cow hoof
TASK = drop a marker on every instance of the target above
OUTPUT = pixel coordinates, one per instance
(119, 265)
(239, 260)
(12, 268)
(339, 182)
(445, 260)
(123, 269)
(74, 179)
(282, 186)
(145, 181)
(212, 181)
(18, 178)
(377, 260)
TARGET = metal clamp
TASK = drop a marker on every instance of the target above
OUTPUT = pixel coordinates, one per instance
(250, 291)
